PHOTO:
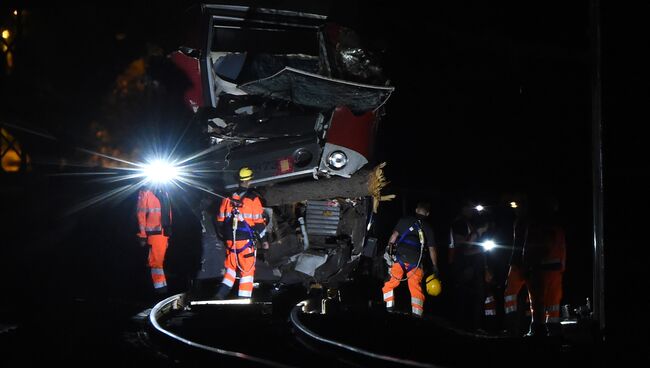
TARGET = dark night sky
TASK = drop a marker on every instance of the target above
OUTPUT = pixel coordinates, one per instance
(488, 97)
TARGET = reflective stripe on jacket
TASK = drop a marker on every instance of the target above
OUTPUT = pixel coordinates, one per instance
(251, 211)
(149, 213)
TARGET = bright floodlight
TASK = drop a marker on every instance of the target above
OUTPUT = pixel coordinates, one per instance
(479, 208)
(488, 244)
(513, 204)
(160, 172)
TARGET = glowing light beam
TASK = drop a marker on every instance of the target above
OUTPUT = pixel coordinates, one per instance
(488, 245)
(161, 172)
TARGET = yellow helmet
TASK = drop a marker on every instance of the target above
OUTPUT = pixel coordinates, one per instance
(245, 173)
(434, 287)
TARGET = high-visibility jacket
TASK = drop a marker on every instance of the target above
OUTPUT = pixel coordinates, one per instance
(154, 220)
(249, 213)
(545, 248)
(154, 213)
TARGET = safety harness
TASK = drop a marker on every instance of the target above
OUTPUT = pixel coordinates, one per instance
(417, 226)
(250, 244)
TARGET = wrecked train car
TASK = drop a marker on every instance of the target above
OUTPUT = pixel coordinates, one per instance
(298, 100)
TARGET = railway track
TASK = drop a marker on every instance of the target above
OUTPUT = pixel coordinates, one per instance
(210, 329)
(261, 334)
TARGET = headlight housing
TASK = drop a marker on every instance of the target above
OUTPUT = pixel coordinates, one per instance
(337, 160)
(302, 157)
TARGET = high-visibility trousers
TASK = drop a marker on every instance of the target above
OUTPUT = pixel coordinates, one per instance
(545, 291)
(157, 249)
(514, 283)
(242, 262)
(415, 287)
(490, 307)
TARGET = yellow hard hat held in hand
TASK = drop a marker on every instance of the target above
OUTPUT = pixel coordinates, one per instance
(434, 287)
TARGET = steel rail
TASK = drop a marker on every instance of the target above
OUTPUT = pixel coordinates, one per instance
(168, 305)
(387, 358)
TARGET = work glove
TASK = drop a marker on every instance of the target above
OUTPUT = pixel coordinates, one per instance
(142, 242)
(391, 249)
(435, 271)
(261, 255)
(258, 239)
(390, 259)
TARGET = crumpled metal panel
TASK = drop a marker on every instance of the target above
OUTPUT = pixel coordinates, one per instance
(308, 263)
(265, 65)
(317, 91)
(273, 160)
(348, 57)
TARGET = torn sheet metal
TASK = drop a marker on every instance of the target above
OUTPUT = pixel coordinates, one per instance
(191, 69)
(348, 58)
(317, 91)
(308, 263)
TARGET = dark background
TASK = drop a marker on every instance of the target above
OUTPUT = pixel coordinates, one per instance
(489, 99)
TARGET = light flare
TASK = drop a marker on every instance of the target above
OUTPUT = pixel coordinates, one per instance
(161, 172)
(162, 168)
(488, 245)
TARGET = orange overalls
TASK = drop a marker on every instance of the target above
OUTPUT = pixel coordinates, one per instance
(545, 257)
(515, 280)
(415, 287)
(239, 222)
(154, 225)
(412, 237)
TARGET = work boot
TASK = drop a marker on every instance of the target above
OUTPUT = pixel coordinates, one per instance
(278, 289)
(161, 291)
(553, 329)
(222, 293)
(195, 290)
(511, 322)
(536, 330)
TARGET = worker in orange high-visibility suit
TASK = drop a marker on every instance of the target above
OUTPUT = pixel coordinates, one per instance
(407, 244)
(516, 280)
(544, 259)
(154, 219)
(242, 224)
